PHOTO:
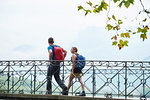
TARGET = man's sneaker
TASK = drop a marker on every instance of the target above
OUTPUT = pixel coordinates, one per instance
(65, 92)
(82, 94)
(49, 92)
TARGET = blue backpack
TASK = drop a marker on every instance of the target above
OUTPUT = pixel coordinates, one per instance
(80, 62)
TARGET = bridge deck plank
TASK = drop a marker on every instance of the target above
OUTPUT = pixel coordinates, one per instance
(50, 97)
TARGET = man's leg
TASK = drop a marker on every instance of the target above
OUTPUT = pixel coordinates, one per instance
(57, 78)
(49, 79)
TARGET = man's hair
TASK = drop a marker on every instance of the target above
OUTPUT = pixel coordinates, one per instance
(50, 40)
(75, 48)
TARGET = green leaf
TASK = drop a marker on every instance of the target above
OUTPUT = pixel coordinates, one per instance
(144, 31)
(114, 43)
(109, 18)
(120, 22)
(87, 11)
(95, 10)
(145, 20)
(100, 8)
(127, 35)
(113, 17)
(89, 3)
(121, 42)
(105, 6)
(131, 1)
(127, 4)
(112, 37)
(114, 28)
(120, 4)
(126, 43)
(80, 7)
(122, 34)
(109, 27)
(116, 1)
(139, 30)
(129, 30)
(143, 36)
(134, 33)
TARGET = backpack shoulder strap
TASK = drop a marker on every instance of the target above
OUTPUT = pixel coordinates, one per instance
(76, 54)
(54, 46)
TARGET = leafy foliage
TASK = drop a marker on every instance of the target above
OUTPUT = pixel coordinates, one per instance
(119, 39)
(96, 8)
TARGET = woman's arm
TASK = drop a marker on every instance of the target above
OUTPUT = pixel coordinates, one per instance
(74, 57)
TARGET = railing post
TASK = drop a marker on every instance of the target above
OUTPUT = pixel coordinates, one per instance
(8, 75)
(143, 84)
(12, 82)
(63, 76)
(34, 78)
(72, 86)
(118, 85)
(31, 82)
(94, 83)
(126, 79)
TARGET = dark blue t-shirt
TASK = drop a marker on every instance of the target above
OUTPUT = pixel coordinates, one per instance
(52, 48)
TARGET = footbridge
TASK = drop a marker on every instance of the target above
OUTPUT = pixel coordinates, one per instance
(103, 80)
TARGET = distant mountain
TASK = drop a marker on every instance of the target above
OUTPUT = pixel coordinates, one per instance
(147, 58)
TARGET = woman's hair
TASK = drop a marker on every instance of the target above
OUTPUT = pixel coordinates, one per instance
(75, 48)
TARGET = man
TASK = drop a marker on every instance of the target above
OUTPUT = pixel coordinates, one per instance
(75, 72)
(54, 67)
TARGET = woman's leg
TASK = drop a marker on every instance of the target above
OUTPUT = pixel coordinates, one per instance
(81, 82)
(69, 83)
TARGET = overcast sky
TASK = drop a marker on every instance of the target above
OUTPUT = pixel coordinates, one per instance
(25, 26)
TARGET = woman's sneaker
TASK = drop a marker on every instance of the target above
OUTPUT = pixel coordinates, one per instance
(83, 93)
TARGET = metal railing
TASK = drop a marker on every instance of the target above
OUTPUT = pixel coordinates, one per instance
(127, 79)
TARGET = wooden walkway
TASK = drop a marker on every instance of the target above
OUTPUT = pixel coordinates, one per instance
(48, 97)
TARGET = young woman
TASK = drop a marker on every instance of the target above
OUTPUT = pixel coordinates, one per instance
(75, 72)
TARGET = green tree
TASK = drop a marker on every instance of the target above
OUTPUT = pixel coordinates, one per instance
(119, 39)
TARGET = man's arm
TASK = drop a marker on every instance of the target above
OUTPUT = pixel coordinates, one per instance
(65, 53)
(50, 55)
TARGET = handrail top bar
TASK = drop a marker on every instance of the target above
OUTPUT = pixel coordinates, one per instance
(76, 60)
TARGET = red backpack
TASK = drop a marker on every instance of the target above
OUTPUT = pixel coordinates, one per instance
(59, 55)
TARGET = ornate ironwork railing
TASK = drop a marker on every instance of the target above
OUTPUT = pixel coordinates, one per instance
(128, 79)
